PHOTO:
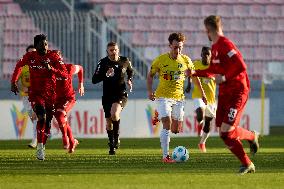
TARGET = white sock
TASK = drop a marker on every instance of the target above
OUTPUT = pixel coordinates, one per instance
(165, 142)
(40, 146)
(204, 137)
(34, 131)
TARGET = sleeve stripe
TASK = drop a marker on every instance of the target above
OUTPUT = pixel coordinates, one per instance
(232, 53)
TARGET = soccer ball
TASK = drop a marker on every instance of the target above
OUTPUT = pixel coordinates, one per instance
(180, 154)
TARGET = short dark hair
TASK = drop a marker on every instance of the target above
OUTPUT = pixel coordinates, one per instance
(38, 38)
(204, 48)
(213, 21)
(179, 37)
(111, 44)
(30, 47)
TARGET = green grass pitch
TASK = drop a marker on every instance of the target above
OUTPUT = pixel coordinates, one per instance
(138, 165)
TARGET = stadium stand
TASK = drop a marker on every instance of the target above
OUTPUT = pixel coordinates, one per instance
(256, 26)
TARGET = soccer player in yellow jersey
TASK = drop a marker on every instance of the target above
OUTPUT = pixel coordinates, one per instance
(169, 95)
(24, 80)
(204, 113)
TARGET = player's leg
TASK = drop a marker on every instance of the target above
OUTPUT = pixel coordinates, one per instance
(177, 116)
(164, 110)
(199, 107)
(73, 143)
(229, 132)
(49, 116)
(28, 108)
(210, 113)
(107, 103)
(116, 109)
(61, 118)
(40, 111)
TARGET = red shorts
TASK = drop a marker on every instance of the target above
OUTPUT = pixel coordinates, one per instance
(230, 108)
(65, 104)
(47, 103)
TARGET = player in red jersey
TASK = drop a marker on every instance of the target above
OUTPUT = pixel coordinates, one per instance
(65, 100)
(44, 66)
(231, 75)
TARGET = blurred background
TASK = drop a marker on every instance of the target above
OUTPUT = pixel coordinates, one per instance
(82, 28)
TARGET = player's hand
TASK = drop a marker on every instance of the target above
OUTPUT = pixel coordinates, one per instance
(129, 83)
(219, 78)
(189, 72)
(14, 88)
(151, 95)
(81, 89)
(110, 72)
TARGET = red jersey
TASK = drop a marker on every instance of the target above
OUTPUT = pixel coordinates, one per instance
(227, 60)
(43, 81)
(64, 87)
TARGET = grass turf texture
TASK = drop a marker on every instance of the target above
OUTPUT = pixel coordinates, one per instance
(138, 165)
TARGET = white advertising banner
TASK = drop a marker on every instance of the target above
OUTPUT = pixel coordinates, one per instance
(87, 120)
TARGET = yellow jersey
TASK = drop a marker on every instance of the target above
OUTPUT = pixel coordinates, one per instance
(171, 75)
(24, 79)
(208, 84)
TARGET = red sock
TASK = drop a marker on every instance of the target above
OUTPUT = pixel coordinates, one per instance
(69, 134)
(244, 134)
(46, 134)
(64, 135)
(235, 146)
(40, 131)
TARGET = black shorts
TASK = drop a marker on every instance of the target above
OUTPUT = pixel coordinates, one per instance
(107, 102)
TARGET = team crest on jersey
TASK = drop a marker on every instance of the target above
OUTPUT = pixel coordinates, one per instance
(179, 65)
(32, 61)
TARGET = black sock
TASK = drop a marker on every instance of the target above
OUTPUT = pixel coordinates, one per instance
(116, 130)
(110, 136)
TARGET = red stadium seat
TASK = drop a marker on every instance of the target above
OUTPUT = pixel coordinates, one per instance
(14, 9)
(225, 10)
(253, 24)
(263, 53)
(111, 10)
(177, 10)
(257, 10)
(192, 24)
(141, 24)
(150, 53)
(200, 38)
(266, 38)
(161, 10)
(139, 38)
(273, 10)
(247, 52)
(144, 10)
(173, 24)
(158, 24)
(193, 10)
(280, 24)
(125, 24)
(278, 53)
(278, 38)
(127, 10)
(241, 10)
(156, 38)
(208, 9)
(269, 24)
(237, 24)
(249, 38)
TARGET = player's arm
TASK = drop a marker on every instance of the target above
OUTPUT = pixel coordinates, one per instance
(197, 84)
(236, 64)
(78, 69)
(154, 69)
(99, 74)
(130, 73)
(17, 71)
(58, 67)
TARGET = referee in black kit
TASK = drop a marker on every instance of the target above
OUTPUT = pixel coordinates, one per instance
(112, 71)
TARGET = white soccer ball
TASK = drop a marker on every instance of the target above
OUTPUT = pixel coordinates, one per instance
(180, 154)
